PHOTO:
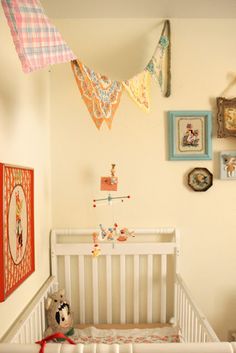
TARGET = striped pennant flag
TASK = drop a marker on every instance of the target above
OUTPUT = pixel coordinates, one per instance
(38, 43)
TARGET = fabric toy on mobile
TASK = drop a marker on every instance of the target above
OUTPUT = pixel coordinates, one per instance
(58, 314)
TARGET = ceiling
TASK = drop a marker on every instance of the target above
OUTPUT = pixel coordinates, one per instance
(140, 8)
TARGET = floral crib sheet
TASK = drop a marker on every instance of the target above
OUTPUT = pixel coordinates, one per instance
(123, 336)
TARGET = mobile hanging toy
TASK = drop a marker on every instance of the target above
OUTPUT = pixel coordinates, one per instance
(110, 184)
(113, 233)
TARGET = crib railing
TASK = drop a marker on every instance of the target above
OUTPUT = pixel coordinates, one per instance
(30, 326)
(194, 325)
(210, 347)
(144, 265)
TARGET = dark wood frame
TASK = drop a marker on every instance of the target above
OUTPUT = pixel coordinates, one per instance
(224, 104)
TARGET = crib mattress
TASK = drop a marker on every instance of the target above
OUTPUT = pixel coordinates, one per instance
(123, 334)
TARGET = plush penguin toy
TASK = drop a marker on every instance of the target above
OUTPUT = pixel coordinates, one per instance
(58, 314)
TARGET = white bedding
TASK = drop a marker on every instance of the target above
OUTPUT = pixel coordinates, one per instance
(122, 336)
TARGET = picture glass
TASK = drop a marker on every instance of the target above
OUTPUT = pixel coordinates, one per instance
(228, 165)
(190, 135)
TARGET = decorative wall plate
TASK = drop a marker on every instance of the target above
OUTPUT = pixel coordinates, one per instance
(200, 179)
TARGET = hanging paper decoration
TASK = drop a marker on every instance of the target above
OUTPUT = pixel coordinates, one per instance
(138, 88)
(100, 94)
(38, 43)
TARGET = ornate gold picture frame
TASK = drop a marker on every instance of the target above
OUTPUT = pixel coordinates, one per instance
(226, 117)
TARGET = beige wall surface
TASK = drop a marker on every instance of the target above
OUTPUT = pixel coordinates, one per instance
(24, 141)
(203, 65)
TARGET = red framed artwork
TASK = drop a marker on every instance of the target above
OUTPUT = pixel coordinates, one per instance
(16, 226)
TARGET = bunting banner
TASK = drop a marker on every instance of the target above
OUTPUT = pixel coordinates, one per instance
(155, 65)
(38, 43)
(100, 94)
(138, 88)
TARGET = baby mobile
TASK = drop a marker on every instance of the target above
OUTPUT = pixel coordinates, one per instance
(113, 233)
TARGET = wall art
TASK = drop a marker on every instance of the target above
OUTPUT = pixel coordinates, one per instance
(17, 227)
(228, 165)
(190, 135)
(200, 179)
(226, 117)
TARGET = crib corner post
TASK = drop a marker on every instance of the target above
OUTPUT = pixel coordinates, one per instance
(177, 250)
(53, 255)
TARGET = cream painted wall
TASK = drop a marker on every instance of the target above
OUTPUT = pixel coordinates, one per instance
(203, 65)
(25, 140)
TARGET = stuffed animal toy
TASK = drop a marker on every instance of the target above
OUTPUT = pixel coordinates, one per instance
(58, 314)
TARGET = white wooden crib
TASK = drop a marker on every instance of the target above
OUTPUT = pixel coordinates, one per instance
(133, 282)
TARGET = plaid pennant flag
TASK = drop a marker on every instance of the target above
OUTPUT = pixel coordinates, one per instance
(38, 43)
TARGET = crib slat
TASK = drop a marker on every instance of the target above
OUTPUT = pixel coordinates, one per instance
(68, 278)
(95, 290)
(149, 287)
(181, 308)
(27, 332)
(122, 290)
(21, 337)
(39, 331)
(196, 330)
(109, 289)
(184, 318)
(42, 312)
(33, 328)
(163, 287)
(177, 303)
(192, 326)
(136, 289)
(81, 289)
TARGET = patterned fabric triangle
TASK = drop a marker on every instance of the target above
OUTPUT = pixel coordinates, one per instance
(100, 94)
(38, 43)
(138, 88)
(155, 65)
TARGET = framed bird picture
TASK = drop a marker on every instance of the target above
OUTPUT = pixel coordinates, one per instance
(190, 135)
(17, 227)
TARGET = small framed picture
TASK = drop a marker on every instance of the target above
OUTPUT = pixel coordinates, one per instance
(226, 117)
(16, 227)
(200, 179)
(190, 135)
(228, 165)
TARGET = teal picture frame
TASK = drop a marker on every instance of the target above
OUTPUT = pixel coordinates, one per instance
(190, 135)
